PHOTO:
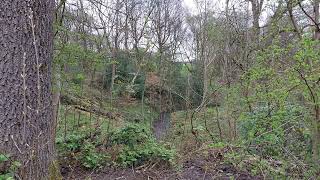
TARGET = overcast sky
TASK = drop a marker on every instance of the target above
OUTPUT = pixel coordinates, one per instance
(219, 5)
(191, 5)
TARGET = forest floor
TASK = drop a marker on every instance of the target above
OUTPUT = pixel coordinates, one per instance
(195, 158)
(197, 166)
(194, 162)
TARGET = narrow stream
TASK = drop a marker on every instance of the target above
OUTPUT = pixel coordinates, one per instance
(161, 125)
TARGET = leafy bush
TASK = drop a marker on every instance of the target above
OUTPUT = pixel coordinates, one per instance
(72, 143)
(8, 173)
(132, 134)
(268, 168)
(83, 151)
(90, 157)
(217, 145)
(139, 146)
(270, 131)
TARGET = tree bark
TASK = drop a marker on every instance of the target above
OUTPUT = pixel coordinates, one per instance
(26, 113)
(256, 7)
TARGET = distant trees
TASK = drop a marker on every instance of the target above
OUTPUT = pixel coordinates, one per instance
(224, 49)
(26, 115)
(231, 44)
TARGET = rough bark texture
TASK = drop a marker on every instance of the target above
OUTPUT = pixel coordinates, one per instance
(26, 114)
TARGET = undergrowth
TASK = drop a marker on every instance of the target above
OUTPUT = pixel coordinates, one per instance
(139, 146)
(93, 146)
(8, 167)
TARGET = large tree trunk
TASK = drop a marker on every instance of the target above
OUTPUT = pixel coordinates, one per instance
(26, 114)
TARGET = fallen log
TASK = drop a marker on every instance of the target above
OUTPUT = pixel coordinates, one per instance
(86, 105)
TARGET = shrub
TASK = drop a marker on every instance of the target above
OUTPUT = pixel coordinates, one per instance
(268, 168)
(90, 157)
(72, 143)
(140, 146)
(270, 131)
(12, 166)
(84, 152)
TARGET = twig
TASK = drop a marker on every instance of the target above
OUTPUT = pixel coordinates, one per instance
(205, 173)
(24, 89)
(154, 165)
(16, 144)
(36, 51)
(316, 24)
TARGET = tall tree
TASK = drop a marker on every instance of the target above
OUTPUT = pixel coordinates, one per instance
(256, 6)
(26, 113)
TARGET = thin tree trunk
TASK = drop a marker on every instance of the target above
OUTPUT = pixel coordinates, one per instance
(256, 6)
(65, 122)
(316, 135)
(218, 123)
(316, 124)
(79, 112)
(316, 19)
(56, 98)
(74, 117)
(113, 75)
(206, 124)
(142, 101)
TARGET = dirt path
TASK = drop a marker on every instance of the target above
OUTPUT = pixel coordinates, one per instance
(161, 125)
(192, 170)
